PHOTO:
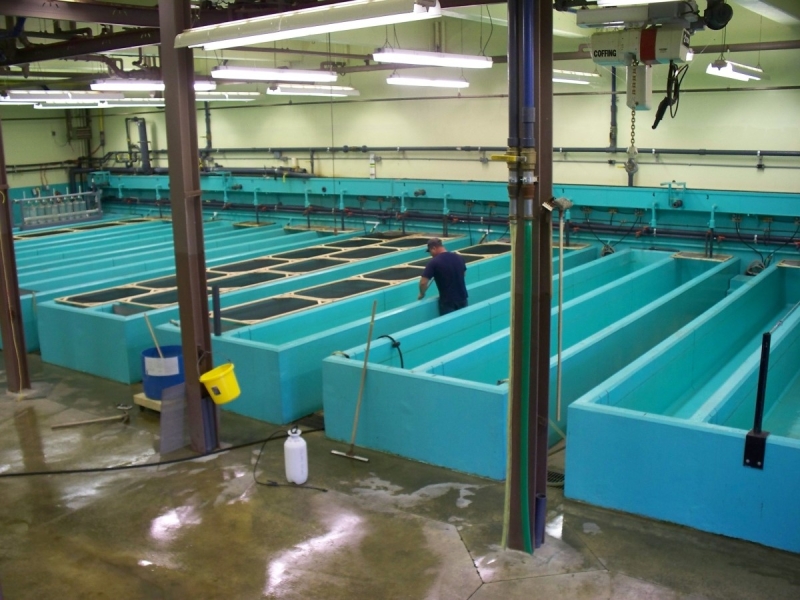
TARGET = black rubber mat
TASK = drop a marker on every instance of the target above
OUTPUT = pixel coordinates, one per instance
(248, 279)
(266, 309)
(486, 249)
(172, 281)
(363, 253)
(341, 289)
(406, 243)
(382, 235)
(109, 295)
(158, 298)
(305, 252)
(307, 266)
(356, 243)
(395, 273)
(43, 233)
(99, 226)
(249, 265)
(468, 258)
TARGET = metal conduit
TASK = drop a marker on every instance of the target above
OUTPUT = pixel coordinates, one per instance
(557, 149)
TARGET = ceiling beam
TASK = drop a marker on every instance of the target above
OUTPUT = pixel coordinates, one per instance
(134, 38)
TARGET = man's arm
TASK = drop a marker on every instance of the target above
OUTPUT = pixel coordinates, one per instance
(424, 282)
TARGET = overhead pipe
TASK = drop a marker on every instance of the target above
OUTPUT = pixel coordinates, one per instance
(556, 149)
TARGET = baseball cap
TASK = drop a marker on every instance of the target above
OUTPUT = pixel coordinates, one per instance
(433, 243)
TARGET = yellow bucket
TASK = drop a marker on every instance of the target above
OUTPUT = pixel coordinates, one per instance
(221, 383)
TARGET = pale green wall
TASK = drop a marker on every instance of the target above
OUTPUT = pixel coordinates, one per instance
(27, 136)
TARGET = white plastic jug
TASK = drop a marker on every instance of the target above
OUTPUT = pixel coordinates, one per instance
(295, 456)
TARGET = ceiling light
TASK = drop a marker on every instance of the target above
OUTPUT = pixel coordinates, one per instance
(257, 74)
(330, 91)
(226, 96)
(425, 82)
(143, 85)
(434, 59)
(628, 2)
(572, 77)
(732, 70)
(66, 106)
(567, 80)
(576, 73)
(33, 96)
(344, 16)
(120, 103)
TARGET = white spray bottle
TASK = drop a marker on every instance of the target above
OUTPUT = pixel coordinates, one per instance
(295, 456)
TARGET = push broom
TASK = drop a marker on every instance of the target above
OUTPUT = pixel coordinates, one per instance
(349, 453)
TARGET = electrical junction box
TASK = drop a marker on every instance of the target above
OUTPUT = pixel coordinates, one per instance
(650, 46)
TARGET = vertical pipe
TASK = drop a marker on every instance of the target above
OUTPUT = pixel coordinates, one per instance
(612, 134)
(539, 427)
(513, 536)
(763, 370)
(187, 221)
(14, 356)
(216, 310)
(207, 111)
(144, 146)
(529, 186)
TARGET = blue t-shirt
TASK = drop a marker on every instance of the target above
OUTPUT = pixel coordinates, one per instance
(447, 270)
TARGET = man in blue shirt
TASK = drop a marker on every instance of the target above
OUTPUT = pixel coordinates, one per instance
(447, 269)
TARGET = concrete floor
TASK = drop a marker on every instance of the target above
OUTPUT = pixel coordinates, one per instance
(386, 529)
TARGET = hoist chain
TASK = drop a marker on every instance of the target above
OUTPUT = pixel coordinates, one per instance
(633, 128)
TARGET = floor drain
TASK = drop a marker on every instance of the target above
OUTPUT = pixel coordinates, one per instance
(555, 479)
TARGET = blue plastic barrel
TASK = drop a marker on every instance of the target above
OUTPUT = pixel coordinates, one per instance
(159, 373)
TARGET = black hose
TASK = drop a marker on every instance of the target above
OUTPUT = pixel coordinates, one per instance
(162, 463)
(395, 344)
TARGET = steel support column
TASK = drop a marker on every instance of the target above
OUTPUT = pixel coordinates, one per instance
(187, 221)
(529, 159)
(15, 358)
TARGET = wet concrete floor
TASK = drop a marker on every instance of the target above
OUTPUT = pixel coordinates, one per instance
(386, 529)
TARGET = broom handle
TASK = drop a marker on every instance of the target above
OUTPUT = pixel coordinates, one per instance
(153, 335)
(363, 376)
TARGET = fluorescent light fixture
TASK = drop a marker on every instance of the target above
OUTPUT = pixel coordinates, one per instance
(67, 106)
(226, 96)
(257, 74)
(127, 85)
(33, 96)
(121, 103)
(732, 70)
(576, 73)
(329, 91)
(425, 82)
(143, 85)
(572, 77)
(137, 102)
(567, 80)
(344, 16)
(433, 59)
(628, 2)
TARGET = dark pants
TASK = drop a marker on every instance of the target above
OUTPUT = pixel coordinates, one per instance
(448, 306)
